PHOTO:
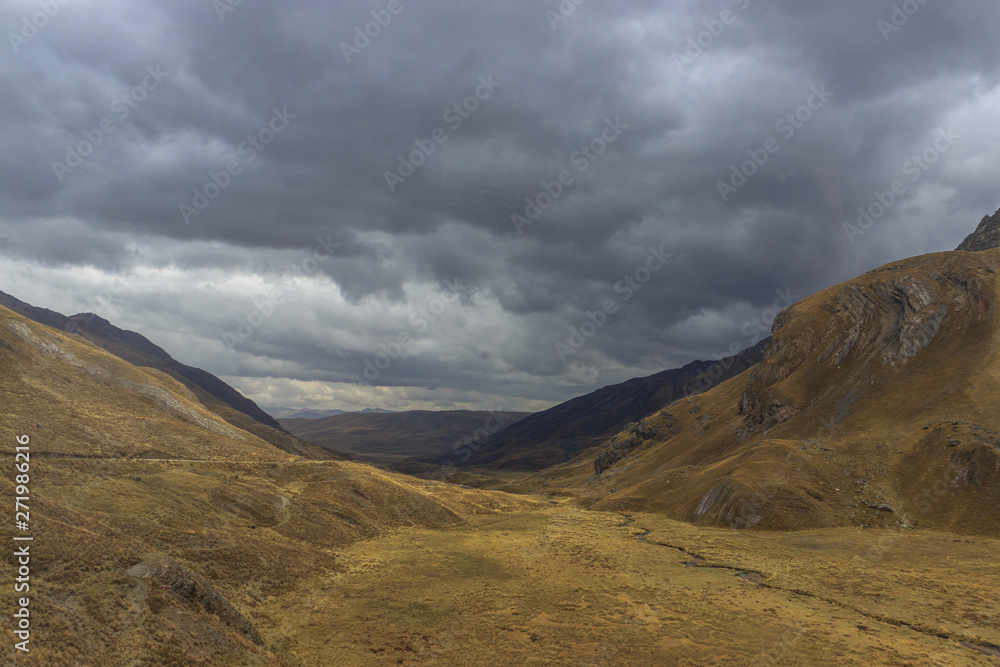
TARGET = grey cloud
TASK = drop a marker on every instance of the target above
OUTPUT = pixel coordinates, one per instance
(323, 177)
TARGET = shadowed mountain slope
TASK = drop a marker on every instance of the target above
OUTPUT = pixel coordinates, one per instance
(565, 431)
(875, 404)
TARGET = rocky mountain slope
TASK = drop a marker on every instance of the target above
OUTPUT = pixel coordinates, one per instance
(874, 404)
(569, 429)
(138, 350)
(985, 237)
(164, 535)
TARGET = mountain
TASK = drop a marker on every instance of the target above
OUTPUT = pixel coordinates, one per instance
(277, 412)
(874, 404)
(985, 237)
(565, 431)
(136, 349)
(292, 413)
(392, 438)
(312, 414)
(163, 535)
(83, 401)
(301, 413)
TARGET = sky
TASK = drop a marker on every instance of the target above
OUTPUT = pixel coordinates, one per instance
(479, 205)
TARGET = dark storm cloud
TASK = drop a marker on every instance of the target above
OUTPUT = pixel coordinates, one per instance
(642, 110)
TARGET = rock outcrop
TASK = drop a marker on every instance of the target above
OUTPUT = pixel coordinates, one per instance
(874, 405)
(633, 437)
(986, 236)
(885, 320)
(193, 590)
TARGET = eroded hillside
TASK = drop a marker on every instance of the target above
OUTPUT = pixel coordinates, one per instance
(874, 405)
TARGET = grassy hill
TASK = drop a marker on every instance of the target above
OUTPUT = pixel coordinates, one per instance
(210, 391)
(161, 530)
(863, 450)
(164, 535)
(875, 404)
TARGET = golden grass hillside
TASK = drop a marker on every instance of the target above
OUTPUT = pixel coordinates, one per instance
(160, 529)
(133, 348)
(875, 405)
(165, 536)
(77, 399)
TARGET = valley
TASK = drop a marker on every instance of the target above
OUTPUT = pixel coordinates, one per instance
(831, 499)
(332, 563)
(416, 441)
(675, 344)
(558, 585)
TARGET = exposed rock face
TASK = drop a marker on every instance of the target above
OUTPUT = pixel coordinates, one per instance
(193, 590)
(890, 320)
(874, 404)
(886, 320)
(986, 236)
(634, 436)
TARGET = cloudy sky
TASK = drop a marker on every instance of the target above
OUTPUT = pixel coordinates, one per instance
(478, 204)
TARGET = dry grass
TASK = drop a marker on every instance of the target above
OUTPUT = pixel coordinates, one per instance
(340, 563)
(566, 586)
(840, 435)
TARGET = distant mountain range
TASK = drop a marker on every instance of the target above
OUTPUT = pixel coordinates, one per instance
(304, 413)
(430, 441)
(411, 441)
(565, 431)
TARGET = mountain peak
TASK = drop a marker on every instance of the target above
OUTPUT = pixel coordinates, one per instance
(90, 317)
(986, 236)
